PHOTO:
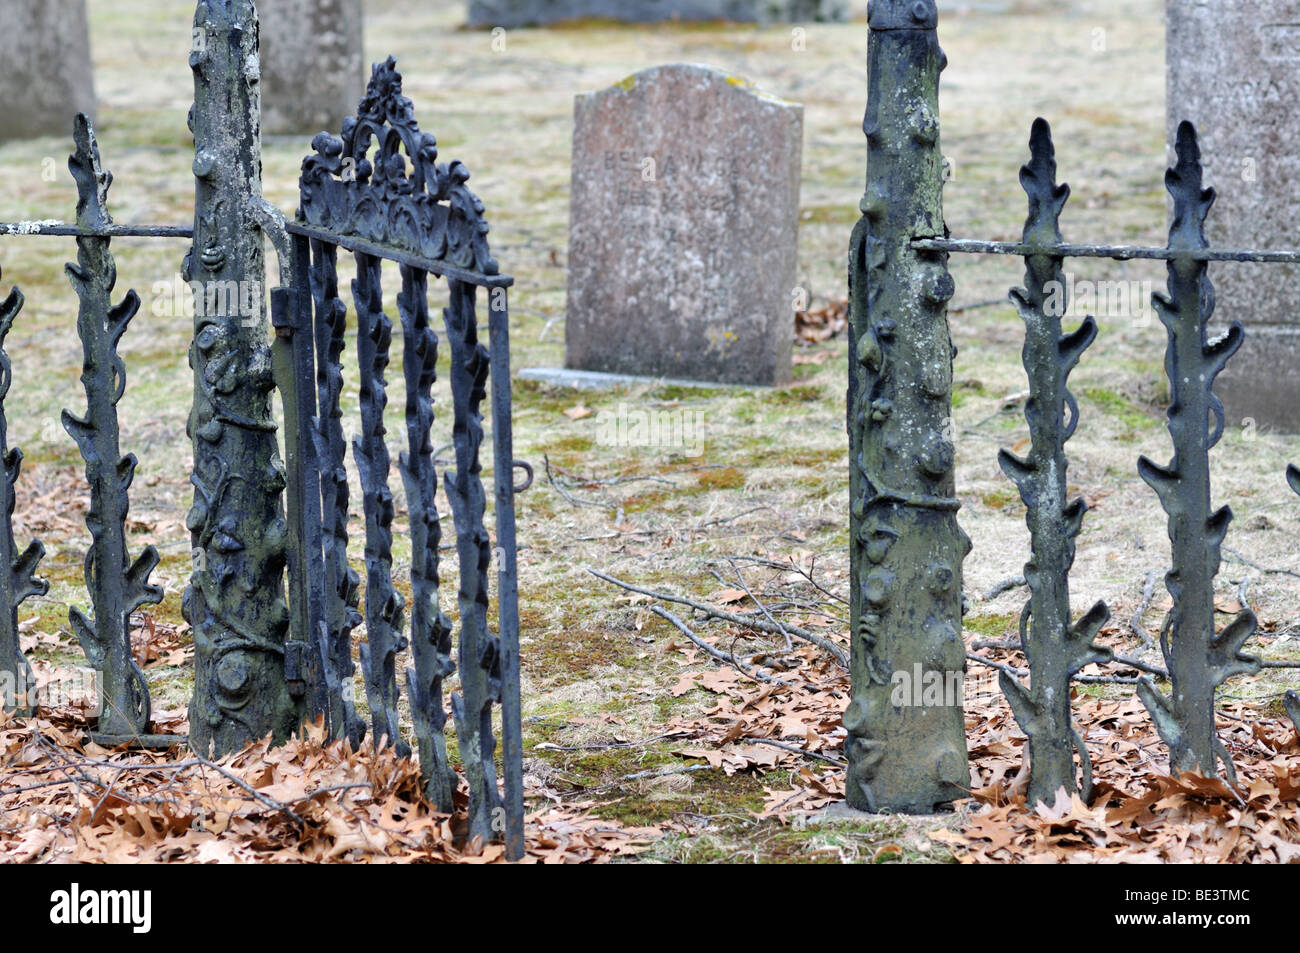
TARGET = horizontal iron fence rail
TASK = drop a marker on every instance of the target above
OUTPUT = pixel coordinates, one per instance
(110, 231)
(971, 246)
(434, 267)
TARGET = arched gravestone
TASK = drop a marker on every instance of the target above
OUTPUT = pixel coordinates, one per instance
(1234, 72)
(313, 70)
(513, 13)
(683, 228)
(46, 76)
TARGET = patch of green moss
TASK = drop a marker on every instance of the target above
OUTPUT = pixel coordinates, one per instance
(964, 390)
(886, 840)
(666, 705)
(685, 391)
(573, 654)
(993, 625)
(712, 791)
(1001, 499)
(728, 478)
(1120, 407)
(573, 443)
(647, 500)
(527, 394)
(803, 394)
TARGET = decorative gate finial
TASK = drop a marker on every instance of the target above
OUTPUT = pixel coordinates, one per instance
(399, 196)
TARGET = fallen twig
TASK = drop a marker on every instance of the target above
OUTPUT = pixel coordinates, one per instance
(1135, 621)
(975, 305)
(753, 598)
(795, 567)
(1258, 568)
(1013, 645)
(1006, 585)
(1084, 679)
(569, 497)
(795, 749)
(716, 653)
(714, 612)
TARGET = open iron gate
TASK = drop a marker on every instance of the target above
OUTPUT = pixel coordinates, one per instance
(427, 221)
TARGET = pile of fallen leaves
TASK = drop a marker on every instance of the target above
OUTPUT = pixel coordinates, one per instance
(822, 324)
(1137, 812)
(778, 715)
(66, 801)
(757, 726)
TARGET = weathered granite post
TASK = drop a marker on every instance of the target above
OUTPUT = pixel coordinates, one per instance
(235, 602)
(46, 74)
(906, 746)
(313, 68)
(1233, 71)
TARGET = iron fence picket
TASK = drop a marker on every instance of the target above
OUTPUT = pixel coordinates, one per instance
(18, 579)
(117, 585)
(431, 629)
(1198, 658)
(339, 614)
(384, 606)
(1057, 647)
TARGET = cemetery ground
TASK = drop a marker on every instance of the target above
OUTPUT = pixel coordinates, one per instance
(639, 745)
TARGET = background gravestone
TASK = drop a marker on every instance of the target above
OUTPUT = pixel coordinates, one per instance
(46, 76)
(683, 228)
(313, 71)
(1234, 71)
(512, 13)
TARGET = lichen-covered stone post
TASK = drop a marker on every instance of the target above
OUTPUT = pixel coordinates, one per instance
(235, 602)
(906, 734)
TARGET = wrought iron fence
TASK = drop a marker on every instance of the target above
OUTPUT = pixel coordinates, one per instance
(905, 537)
(264, 662)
